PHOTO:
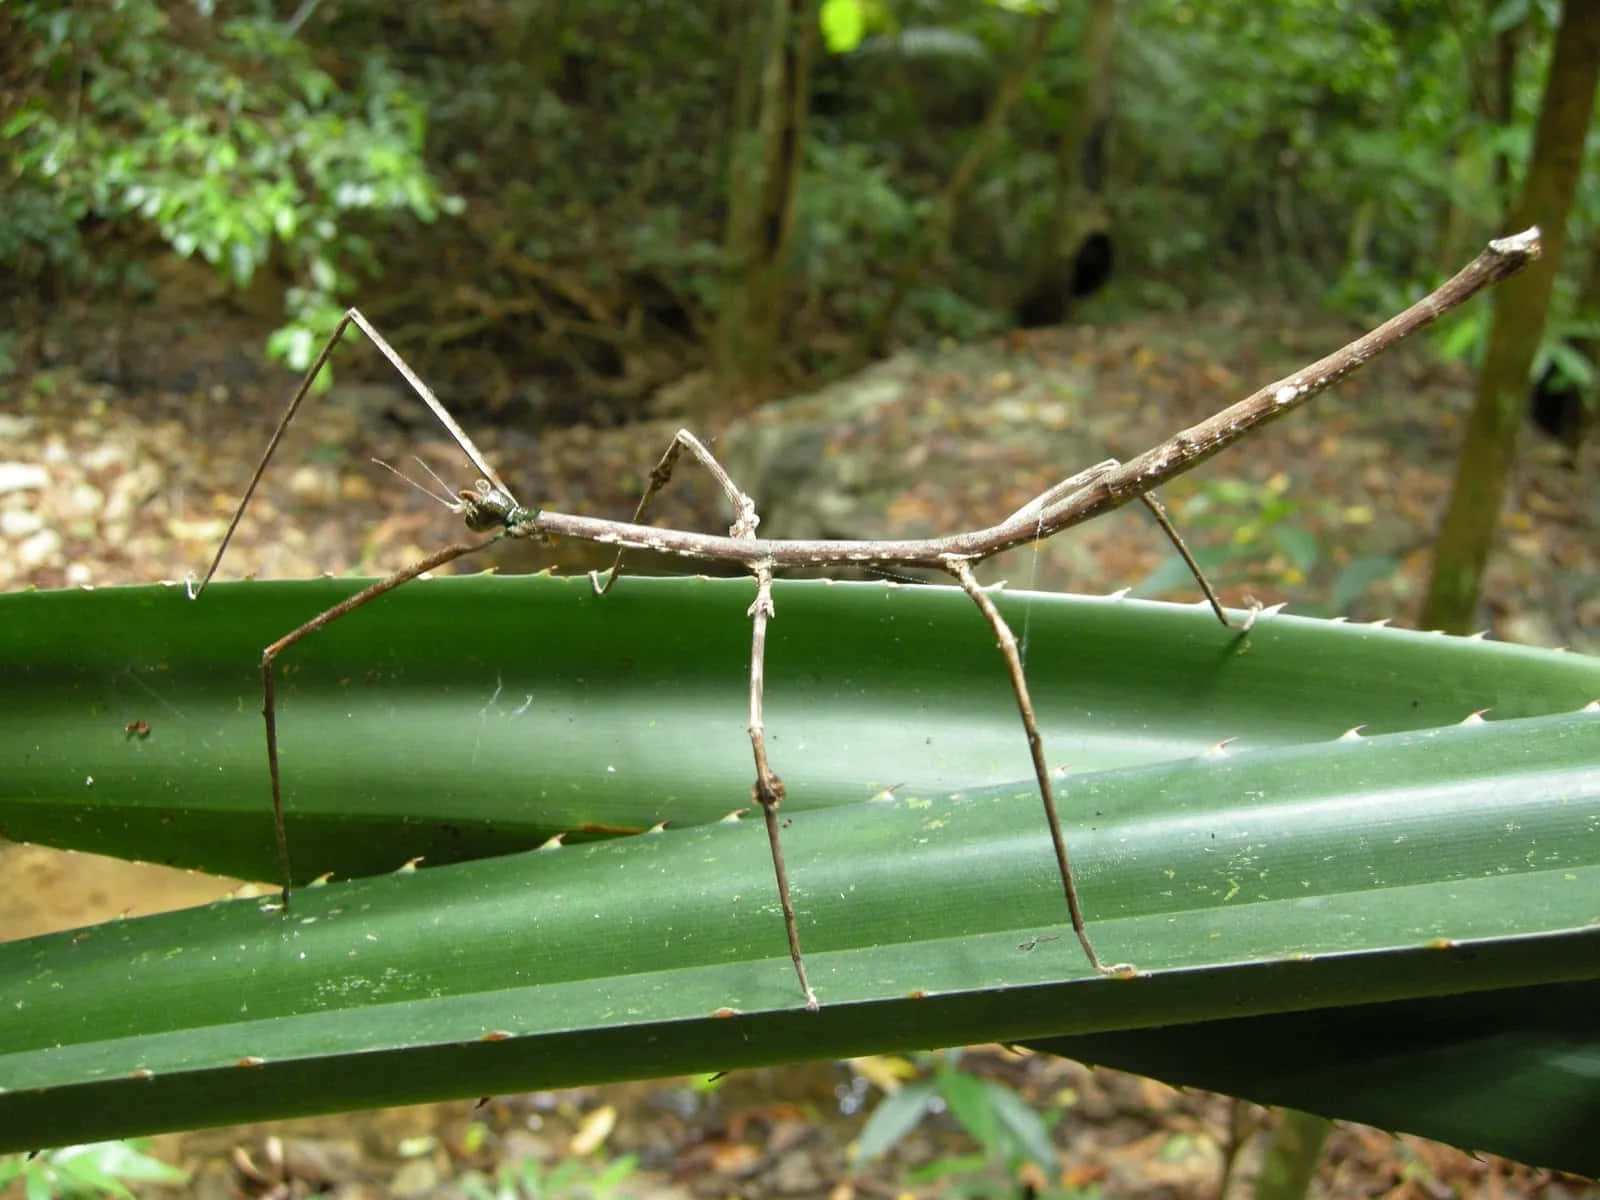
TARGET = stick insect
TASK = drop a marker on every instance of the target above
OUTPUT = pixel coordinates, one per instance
(489, 507)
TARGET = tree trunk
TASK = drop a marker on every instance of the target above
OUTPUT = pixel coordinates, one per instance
(771, 106)
(936, 236)
(1081, 151)
(1074, 256)
(1520, 306)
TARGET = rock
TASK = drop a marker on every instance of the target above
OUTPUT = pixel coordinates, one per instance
(39, 550)
(796, 1174)
(17, 524)
(132, 490)
(21, 477)
(82, 501)
(314, 485)
(418, 1177)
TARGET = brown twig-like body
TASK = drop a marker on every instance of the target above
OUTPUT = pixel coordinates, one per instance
(1117, 484)
(1089, 493)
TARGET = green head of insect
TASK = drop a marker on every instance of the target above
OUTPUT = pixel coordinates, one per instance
(486, 507)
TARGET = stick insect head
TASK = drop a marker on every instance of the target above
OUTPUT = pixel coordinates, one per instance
(486, 507)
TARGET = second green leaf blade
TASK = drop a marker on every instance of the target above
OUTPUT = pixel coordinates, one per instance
(929, 920)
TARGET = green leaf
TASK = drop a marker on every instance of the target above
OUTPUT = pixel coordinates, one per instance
(968, 1099)
(461, 717)
(1292, 871)
(1572, 364)
(1300, 546)
(1462, 334)
(1356, 576)
(897, 1115)
(843, 25)
(1022, 1125)
(1510, 1070)
(1172, 573)
(946, 1167)
(85, 1174)
(128, 1162)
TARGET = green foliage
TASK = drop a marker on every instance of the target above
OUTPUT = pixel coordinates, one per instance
(1250, 132)
(945, 313)
(1561, 353)
(1247, 142)
(1255, 534)
(225, 137)
(528, 1179)
(1570, 334)
(851, 222)
(844, 24)
(998, 1119)
(81, 1172)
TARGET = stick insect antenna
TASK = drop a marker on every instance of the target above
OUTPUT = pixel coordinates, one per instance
(441, 497)
(354, 316)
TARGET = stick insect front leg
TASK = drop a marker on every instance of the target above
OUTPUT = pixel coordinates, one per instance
(768, 790)
(745, 520)
(490, 507)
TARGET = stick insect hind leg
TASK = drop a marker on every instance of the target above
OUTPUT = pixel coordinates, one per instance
(489, 507)
(1041, 506)
(768, 790)
(1044, 504)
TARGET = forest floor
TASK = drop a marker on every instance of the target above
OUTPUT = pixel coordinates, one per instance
(121, 458)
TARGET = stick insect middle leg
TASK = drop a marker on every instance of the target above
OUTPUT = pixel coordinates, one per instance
(768, 790)
(1007, 641)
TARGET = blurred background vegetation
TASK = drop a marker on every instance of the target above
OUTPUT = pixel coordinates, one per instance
(588, 213)
(586, 191)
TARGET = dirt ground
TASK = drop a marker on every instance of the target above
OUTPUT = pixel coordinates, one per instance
(138, 453)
